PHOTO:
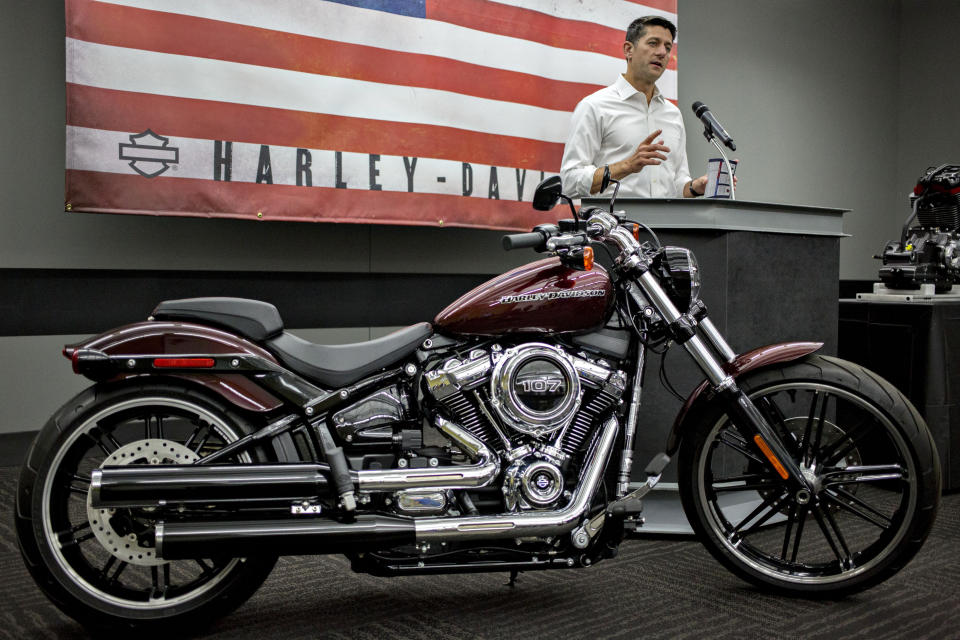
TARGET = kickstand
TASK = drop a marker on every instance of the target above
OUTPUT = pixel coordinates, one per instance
(513, 578)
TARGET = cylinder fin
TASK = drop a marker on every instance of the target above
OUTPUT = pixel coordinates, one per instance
(587, 419)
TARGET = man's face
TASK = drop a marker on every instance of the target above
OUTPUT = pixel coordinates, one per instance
(648, 59)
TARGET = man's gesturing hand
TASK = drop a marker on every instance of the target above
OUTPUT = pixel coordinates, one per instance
(648, 153)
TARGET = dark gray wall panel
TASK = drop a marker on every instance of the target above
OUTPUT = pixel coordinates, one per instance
(59, 301)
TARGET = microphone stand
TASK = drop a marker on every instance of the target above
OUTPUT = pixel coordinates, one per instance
(709, 135)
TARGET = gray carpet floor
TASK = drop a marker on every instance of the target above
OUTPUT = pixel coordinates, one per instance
(656, 588)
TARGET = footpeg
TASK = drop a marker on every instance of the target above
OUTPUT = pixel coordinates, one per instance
(656, 466)
(626, 507)
(632, 503)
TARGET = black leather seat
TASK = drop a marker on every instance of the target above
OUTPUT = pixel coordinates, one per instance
(250, 318)
(337, 366)
(330, 366)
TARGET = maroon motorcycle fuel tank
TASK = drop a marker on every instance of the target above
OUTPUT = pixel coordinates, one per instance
(540, 297)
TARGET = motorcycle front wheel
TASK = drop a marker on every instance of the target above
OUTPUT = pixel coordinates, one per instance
(99, 565)
(867, 454)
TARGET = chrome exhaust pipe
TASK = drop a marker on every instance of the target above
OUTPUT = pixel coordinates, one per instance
(480, 474)
(161, 485)
(530, 524)
(179, 540)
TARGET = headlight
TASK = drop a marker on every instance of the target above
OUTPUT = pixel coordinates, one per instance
(681, 276)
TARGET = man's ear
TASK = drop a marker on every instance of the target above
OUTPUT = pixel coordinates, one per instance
(627, 49)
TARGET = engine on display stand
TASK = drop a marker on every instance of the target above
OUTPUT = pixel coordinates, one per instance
(927, 256)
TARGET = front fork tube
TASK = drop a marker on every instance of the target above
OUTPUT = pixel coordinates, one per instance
(716, 340)
(746, 417)
(757, 430)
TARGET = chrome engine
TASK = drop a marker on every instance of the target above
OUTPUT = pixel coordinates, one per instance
(536, 405)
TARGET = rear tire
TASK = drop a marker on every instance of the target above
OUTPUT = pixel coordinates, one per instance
(868, 454)
(97, 566)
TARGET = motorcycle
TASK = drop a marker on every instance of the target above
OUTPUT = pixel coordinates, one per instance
(498, 438)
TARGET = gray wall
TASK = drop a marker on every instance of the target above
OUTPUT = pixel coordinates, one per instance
(807, 89)
(837, 104)
(928, 92)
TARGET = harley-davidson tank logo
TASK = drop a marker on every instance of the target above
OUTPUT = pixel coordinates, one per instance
(552, 295)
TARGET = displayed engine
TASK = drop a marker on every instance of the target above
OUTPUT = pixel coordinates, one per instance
(531, 410)
(536, 405)
(928, 251)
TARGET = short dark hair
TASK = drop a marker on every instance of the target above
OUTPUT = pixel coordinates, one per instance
(639, 27)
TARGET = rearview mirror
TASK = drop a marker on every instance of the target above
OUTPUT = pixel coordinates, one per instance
(547, 194)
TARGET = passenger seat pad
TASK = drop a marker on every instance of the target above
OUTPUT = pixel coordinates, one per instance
(252, 319)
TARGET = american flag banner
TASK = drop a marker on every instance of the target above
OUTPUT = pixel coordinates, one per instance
(426, 112)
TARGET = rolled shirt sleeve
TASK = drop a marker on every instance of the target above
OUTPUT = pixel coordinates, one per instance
(579, 155)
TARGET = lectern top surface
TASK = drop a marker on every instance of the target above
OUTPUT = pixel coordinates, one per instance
(730, 215)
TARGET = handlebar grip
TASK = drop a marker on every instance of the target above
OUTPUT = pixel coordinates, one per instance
(523, 240)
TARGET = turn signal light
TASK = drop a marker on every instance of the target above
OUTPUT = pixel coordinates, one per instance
(636, 232)
(587, 258)
(765, 448)
(183, 363)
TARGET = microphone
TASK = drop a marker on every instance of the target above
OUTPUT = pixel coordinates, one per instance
(712, 126)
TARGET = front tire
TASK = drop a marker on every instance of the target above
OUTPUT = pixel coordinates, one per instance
(866, 452)
(98, 566)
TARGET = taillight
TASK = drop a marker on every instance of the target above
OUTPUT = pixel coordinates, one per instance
(183, 363)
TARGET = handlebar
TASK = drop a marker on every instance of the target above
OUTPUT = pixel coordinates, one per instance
(601, 227)
(534, 239)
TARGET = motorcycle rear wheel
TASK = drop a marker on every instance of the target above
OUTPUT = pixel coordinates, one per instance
(98, 566)
(868, 455)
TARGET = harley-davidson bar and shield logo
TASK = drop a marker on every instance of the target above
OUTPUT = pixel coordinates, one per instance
(149, 154)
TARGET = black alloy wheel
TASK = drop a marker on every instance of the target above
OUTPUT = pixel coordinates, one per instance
(99, 565)
(866, 454)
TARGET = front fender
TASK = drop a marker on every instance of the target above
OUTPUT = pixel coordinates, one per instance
(181, 338)
(743, 363)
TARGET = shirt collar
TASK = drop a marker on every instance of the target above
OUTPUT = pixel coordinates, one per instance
(624, 89)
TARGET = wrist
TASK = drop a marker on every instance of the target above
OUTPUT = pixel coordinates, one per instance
(692, 191)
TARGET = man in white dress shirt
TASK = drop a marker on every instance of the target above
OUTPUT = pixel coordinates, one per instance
(608, 125)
